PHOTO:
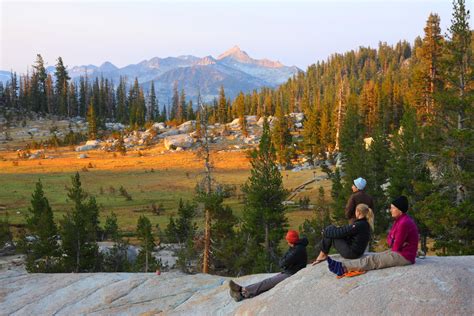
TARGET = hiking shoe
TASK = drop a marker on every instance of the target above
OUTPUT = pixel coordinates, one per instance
(236, 295)
(234, 286)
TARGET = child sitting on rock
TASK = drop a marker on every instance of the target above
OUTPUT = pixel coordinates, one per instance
(402, 239)
(294, 260)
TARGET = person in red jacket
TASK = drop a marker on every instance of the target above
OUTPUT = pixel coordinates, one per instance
(402, 240)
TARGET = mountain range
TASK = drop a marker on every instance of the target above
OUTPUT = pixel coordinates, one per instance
(234, 69)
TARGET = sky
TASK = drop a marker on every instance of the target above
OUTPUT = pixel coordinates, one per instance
(127, 32)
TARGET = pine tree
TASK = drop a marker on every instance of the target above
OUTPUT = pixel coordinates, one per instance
(239, 106)
(181, 111)
(174, 102)
(182, 229)
(222, 107)
(456, 117)
(407, 170)
(281, 138)
(40, 224)
(378, 154)
(83, 96)
(154, 107)
(146, 262)
(264, 216)
(190, 115)
(39, 85)
(450, 204)
(111, 230)
(427, 81)
(92, 122)
(353, 149)
(72, 101)
(122, 110)
(79, 230)
(311, 135)
(61, 87)
(313, 228)
(5, 233)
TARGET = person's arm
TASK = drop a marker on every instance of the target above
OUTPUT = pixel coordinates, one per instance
(342, 231)
(350, 208)
(400, 237)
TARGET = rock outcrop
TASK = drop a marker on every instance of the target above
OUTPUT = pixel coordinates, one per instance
(433, 286)
(181, 140)
(90, 145)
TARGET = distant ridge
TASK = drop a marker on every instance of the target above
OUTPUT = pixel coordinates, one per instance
(234, 69)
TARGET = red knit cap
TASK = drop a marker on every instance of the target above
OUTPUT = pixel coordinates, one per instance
(292, 236)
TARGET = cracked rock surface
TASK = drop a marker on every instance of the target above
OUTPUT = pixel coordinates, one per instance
(433, 286)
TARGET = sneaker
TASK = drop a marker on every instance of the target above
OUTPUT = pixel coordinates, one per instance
(234, 286)
(236, 295)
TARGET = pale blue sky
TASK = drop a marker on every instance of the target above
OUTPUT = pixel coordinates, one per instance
(125, 32)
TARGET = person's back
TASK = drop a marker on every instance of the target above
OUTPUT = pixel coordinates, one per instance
(359, 196)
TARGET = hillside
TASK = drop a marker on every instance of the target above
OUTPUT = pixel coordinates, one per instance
(433, 286)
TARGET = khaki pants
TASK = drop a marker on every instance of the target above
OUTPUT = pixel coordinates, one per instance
(380, 260)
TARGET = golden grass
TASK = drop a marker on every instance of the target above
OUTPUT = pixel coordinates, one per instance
(175, 176)
(65, 160)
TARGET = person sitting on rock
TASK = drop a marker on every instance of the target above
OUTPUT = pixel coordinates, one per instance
(402, 240)
(294, 260)
(349, 240)
(357, 197)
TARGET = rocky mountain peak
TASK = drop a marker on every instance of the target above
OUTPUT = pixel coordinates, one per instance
(237, 54)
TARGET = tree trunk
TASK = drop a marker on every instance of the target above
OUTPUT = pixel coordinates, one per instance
(146, 254)
(78, 254)
(339, 115)
(207, 243)
(267, 239)
(208, 183)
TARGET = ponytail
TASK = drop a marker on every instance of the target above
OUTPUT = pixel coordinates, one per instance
(367, 213)
(370, 218)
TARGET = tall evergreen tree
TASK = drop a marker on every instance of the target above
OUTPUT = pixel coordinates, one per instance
(174, 102)
(312, 228)
(92, 122)
(181, 112)
(122, 110)
(222, 107)
(79, 230)
(146, 262)
(61, 87)
(264, 215)
(182, 229)
(378, 154)
(154, 110)
(427, 81)
(39, 85)
(40, 224)
(281, 137)
(406, 168)
(450, 205)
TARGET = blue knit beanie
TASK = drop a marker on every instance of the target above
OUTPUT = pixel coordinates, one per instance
(360, 183)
